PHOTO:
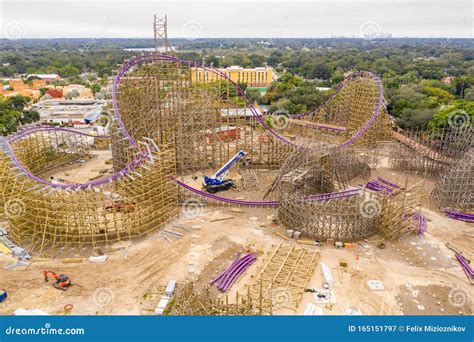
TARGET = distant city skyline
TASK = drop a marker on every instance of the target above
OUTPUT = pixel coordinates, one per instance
(243, 19)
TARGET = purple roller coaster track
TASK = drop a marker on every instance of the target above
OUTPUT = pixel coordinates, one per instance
(143, 156)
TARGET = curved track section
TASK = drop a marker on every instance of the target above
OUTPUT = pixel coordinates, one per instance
(318, 197)
(141, 157)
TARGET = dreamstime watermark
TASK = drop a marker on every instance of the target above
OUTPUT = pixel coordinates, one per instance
(14, 208)
(279, 120)
(14, 30)
(47, 329)
(103, 297)
(370, 207)
(445, 42)
(371, 30)
(192, 30)
(192, 207)
(281, 297)
(10, 125)
(458, 297)
(459, 119)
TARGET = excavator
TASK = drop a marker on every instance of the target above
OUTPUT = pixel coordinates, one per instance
(62, 281)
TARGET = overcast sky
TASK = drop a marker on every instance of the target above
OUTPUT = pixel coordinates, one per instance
(199, 19)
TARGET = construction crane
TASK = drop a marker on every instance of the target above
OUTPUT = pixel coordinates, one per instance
(62, 281)
(217, 181)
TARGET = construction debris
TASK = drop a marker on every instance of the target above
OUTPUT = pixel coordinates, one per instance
(8, 247)
(282, 236)
(173, 233)
(353, 311)
(312, 309)
(98, 258)
(324, 296)
(30, 312)
(72, 260)
(375, 285)
(237, 267)
(222, 218)
(165, 300)
(327, 273)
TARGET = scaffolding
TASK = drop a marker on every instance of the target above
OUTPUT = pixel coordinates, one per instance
(454, 189)
(284, 275)
(430, 152)
(354, 114)
(190, 302)
(45, 217)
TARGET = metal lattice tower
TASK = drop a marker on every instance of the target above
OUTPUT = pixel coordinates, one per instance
(160, 31)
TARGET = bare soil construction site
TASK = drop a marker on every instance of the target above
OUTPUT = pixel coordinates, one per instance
(196, 204)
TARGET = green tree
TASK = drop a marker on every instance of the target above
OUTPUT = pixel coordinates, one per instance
(442, 95)
(72, 94)
(18, 102)
(254, 95)
(30, 116)
(68, 71)
(459, 112)
(13, 113)
(469, 95)
(95, 87)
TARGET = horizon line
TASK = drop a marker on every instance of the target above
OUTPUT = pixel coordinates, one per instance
(201, 38)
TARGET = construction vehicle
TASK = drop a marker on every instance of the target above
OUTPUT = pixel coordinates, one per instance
(63, 282)
(3, 295)
(217, 181)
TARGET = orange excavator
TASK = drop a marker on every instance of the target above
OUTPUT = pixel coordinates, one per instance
(62, 281)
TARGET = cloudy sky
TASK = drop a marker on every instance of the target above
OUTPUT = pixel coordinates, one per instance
(245, 18)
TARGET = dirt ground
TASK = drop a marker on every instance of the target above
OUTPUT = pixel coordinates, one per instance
(88, 169)
(418, 273)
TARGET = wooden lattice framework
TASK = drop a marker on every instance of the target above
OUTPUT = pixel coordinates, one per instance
(340, 218)
(357, 103)
(189, 302)
(430, 152)
(283, 275)
(47, 149)
(394, 222)
(44, 218)
(208, 122)
(455, 187)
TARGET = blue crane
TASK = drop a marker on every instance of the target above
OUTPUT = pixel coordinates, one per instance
(217, 181)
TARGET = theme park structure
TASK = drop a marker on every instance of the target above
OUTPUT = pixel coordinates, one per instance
(168, 128)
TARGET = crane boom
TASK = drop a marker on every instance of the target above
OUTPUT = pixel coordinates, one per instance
(223, 170)
(216, 182)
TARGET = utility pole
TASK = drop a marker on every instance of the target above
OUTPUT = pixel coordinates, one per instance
(160, 34)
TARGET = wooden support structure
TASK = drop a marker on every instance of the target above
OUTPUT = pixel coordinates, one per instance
(284, 275)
